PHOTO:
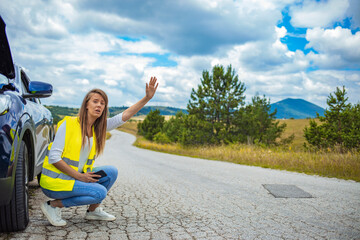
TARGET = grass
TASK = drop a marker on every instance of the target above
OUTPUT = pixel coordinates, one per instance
(296, 127)
(108, 135)
(129, 127)
(292, 158)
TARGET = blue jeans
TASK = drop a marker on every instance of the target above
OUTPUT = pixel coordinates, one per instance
(86, 193)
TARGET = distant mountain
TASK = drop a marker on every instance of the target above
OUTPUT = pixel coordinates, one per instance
(59, 112)
(287, 108)
(296, 108)
(145, 110)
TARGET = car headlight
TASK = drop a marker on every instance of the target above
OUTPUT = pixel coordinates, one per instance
(5, 103)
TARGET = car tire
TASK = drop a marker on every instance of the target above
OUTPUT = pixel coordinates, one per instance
(15, 215)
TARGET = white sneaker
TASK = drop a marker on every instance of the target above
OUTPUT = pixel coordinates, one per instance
(99, 214)
(53, 214)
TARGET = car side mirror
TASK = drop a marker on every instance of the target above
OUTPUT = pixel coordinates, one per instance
(39, 90)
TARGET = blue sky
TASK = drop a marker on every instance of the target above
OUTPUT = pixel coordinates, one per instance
(280, 48)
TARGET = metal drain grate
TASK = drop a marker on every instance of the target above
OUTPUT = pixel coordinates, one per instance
(286, 191)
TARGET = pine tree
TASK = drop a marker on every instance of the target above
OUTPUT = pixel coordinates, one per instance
(257, 124)
(339, 127)
(217, 98)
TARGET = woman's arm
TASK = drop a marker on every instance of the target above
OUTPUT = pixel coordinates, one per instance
(150, 91)
(114, 122)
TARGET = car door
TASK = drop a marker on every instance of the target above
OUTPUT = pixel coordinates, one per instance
(41, 120)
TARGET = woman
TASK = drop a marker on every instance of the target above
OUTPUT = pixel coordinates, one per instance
(68, 175)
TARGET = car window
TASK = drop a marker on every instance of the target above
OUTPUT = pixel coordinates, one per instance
(24, 82)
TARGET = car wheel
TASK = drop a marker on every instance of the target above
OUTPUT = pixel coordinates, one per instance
(15, 215)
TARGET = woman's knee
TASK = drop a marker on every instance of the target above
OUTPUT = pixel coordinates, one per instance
(111, 171)
(99, 192)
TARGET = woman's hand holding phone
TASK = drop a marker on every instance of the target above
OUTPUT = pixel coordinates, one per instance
(101, 174)
(89, 177)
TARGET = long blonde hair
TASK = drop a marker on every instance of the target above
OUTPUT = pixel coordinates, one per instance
(99, 124)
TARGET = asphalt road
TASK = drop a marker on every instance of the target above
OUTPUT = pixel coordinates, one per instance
(163, 196)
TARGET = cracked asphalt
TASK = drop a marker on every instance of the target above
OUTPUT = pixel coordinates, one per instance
(163, 196)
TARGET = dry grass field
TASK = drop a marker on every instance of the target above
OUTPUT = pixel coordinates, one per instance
(296, 127)
(292, 158)
(108, 135)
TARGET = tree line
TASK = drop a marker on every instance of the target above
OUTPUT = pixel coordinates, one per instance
(58, 112)
(217, 114)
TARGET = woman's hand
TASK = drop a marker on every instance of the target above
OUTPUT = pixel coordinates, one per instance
(84, 177)
(151, 88)
(88, 177)
(150, 91)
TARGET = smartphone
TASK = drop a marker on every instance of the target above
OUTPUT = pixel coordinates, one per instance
(101, 173)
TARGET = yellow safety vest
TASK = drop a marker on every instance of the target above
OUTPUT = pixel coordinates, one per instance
(52, 178)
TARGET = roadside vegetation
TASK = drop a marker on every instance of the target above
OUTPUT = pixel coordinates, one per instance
(220, 126)
(293, 157)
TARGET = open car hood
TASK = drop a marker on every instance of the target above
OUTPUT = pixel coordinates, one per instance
(6, 62)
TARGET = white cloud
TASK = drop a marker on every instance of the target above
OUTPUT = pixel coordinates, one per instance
(36, 18)
(330, 79)
(311, 13)
(267, 56)
(110, 82)
(82, 81)
(78, 45)
(338, 47)
(314, 86)
(187, 27)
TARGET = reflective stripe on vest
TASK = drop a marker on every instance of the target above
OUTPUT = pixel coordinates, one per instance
(71, 162)
(90, 161)
(52, 178)
(52, 174)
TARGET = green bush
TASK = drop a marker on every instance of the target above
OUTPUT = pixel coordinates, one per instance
(256, 124)
(162, 138)
(197, 132)
(151, 125)
(174, 126)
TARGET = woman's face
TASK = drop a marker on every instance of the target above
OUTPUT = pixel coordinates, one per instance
(95, 106)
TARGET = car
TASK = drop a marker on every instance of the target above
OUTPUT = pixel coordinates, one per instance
(26, 129)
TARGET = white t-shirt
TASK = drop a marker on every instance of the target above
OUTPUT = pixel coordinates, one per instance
(59, 142)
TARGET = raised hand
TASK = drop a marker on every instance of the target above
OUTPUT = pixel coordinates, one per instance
(151, 88)
(150, 91)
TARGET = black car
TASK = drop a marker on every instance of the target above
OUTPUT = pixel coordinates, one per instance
(26, 129)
